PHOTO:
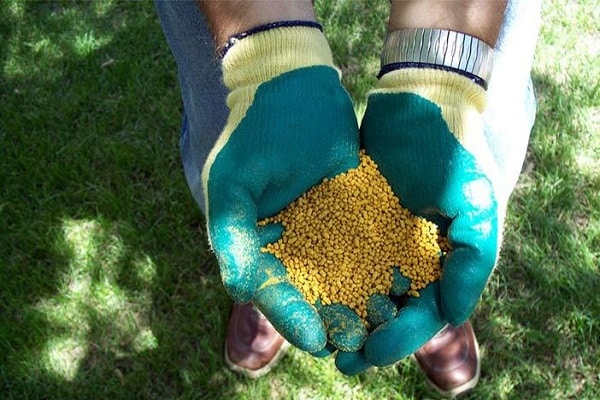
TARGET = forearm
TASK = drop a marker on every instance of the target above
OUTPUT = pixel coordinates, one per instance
(479, 18)
(229, 17)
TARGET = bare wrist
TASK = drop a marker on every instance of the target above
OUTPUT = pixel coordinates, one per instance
(229, 17)
(478, 18)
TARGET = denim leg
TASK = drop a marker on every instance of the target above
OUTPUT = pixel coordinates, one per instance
(201, 84)
(511, 101)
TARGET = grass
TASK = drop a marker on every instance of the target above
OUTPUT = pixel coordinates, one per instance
(107, 288)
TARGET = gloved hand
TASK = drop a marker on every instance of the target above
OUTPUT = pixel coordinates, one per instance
(424, 129)
(291, 124)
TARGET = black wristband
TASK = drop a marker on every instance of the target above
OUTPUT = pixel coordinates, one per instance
(402, 65)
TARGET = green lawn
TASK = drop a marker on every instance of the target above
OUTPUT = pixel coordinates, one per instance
(108, 290)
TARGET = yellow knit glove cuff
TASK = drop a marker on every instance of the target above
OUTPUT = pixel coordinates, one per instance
(440, 87)
(262, 56)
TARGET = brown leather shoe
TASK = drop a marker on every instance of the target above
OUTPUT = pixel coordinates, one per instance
(252, 345)
(451, 360)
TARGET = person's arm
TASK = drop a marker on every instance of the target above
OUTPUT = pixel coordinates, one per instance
(423, 127)
(479, 18)
(230, 17)
(278, 142)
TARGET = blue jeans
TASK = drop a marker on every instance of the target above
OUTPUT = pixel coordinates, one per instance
(508, 118)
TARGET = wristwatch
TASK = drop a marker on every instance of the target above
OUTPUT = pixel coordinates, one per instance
(438, 48)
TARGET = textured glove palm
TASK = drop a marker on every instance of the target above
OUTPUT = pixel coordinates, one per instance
(291, 124)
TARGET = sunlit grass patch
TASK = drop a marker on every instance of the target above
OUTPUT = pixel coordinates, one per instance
(90, 297)
(588, 157)
(63, 355)
(87, 42)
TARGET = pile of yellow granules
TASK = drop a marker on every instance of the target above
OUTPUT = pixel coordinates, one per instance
(342, 238)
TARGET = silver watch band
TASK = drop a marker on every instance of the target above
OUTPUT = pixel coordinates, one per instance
(439, 48)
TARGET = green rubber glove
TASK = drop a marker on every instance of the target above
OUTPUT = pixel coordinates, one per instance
(291, 124)
(424, 129)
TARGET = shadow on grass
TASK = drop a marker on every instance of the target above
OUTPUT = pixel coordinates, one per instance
(538, 321)
(107, 287)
